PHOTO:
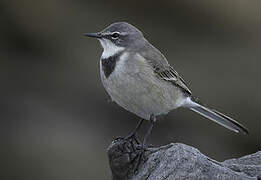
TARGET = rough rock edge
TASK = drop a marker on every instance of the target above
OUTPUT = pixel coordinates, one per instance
(176, 161)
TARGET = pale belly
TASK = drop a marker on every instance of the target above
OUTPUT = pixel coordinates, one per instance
(142, 93)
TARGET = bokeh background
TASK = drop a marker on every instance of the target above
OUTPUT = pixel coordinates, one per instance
(55, 118)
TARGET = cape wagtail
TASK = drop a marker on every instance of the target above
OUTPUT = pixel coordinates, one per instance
(139, 78)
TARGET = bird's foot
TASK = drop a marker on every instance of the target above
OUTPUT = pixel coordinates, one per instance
(133, 136)
(140, 156)
(136, 151)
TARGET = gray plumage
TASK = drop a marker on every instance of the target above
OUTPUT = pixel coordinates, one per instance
(141, 80)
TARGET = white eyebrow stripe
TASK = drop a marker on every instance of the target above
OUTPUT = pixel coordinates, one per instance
(110, 33)
(105, 34)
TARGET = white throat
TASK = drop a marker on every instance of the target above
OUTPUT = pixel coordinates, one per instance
(109, 49)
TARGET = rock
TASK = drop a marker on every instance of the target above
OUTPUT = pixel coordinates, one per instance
(176, 161)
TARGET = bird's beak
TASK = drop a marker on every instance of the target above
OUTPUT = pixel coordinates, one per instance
(94, 35)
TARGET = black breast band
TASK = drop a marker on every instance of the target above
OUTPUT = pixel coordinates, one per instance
(108, 64)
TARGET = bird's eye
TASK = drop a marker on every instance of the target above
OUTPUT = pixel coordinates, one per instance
(115, 35)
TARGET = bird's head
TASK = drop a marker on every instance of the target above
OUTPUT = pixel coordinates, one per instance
(117, 37)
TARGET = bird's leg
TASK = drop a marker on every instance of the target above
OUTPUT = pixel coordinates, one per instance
(144, 143)
(152, 121)
(133, 134)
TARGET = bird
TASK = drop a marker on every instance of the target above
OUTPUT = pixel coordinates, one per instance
(138, 77)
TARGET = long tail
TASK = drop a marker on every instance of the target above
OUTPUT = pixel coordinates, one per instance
(215, 116)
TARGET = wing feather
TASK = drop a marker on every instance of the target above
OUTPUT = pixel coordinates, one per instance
(162, 68)
(170, 75)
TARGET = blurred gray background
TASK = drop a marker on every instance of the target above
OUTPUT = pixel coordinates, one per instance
(55, 118)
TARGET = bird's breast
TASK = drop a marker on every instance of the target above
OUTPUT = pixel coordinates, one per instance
(133, 85)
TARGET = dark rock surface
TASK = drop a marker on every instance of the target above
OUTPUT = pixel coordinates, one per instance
(176, 161)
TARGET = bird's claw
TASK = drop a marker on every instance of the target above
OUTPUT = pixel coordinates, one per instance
(133, 136)
(139, 158)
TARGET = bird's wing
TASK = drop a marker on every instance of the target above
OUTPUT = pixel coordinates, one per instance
(162, 69)
(169, 74)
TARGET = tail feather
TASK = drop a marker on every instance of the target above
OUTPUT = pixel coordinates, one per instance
(217, 117)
